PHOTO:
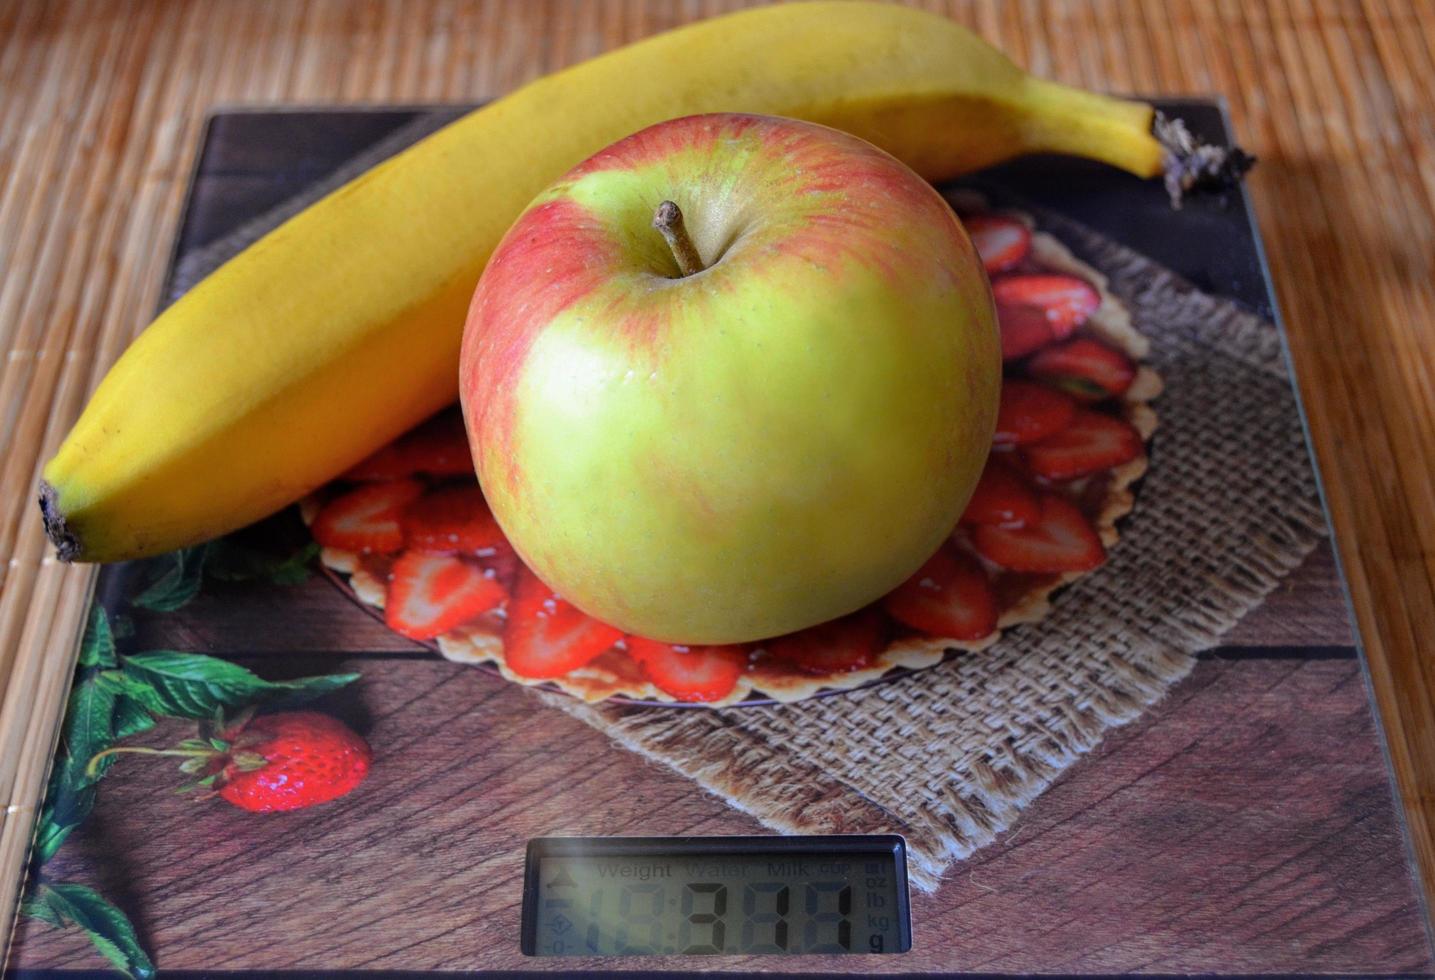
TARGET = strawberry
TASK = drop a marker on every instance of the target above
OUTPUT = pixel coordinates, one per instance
(1063, 302)
(438, 447)
(1091, 442)
(284, 761)
(308, 758)
(702, 673)
(1024, 329)
(452, 519)
(947, 597)
(1062, 540)
(837, 646)
(1002, 497)
(432, 593)
(1001, 242)
(546, 636)
(1031, 411)
(502, 560)
(1086, 368)
(367, 519)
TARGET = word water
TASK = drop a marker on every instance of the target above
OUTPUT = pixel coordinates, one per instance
(735, 905)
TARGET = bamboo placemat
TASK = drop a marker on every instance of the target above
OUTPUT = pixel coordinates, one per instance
(104, 104)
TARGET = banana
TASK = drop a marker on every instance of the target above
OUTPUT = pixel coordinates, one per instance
(341, 328)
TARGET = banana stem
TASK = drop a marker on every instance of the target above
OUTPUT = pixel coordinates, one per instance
(1191, 164)
(668, 219)
(1127, 134)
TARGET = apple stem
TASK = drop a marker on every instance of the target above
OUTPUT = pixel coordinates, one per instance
(668, 219)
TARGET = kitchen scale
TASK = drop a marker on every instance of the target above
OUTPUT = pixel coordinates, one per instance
(1246, 823)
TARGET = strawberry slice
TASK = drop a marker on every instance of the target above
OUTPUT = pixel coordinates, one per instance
(438, 447)
(1062, 540)
(1091, 442)
(703, 673)
(367, 519)
(430, 594)
(546, 636)
(1001, 242)
(1030, 412)
(1064, 302)
(1086, 368)
(1002, 497)
(1024, 330)
(947, 597)
(834, 647)
(451, 519)
(502, 560)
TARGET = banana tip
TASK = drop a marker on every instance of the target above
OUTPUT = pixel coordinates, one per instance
(67, 545)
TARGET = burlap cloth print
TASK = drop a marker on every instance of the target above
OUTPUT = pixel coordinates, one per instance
(948, 757)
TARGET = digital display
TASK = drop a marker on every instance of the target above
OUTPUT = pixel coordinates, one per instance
(713, 896)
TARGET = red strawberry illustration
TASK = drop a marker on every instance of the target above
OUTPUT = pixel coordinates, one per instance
(431, 593)
(546, 636)
(1086, 368)
(1061, 541)
(701, 673)
(367, 519)
(1030, 411)
(949, 596)
(285, 761)
(1001, 242)
(1002, 497)
(308, 758)
(1063, 302)
(438, 447)
(840, 645)
(1092, 442)
(452, 519)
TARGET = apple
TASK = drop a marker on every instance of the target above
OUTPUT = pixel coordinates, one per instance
(730, 377)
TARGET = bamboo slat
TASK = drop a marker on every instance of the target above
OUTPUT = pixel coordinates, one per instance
(101, 108)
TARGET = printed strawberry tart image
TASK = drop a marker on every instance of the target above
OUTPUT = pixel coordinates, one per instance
(407, 530)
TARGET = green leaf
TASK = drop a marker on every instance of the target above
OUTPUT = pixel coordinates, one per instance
(49, 835)
(89, 723)
(89, 728)
(97, 649)
(191, 685)
(38, 906)
(69, 798)
(121, 626)
(249, 761)
(173, 580)
(133, 690)
(283, 694)
(131, 717)
(64, 905)
(229, 561)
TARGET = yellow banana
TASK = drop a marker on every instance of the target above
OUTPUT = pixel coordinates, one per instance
(341, 328)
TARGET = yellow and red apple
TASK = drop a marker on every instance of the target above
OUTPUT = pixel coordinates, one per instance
(765, 424)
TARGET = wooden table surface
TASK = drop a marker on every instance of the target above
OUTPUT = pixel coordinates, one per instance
(103, 105)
